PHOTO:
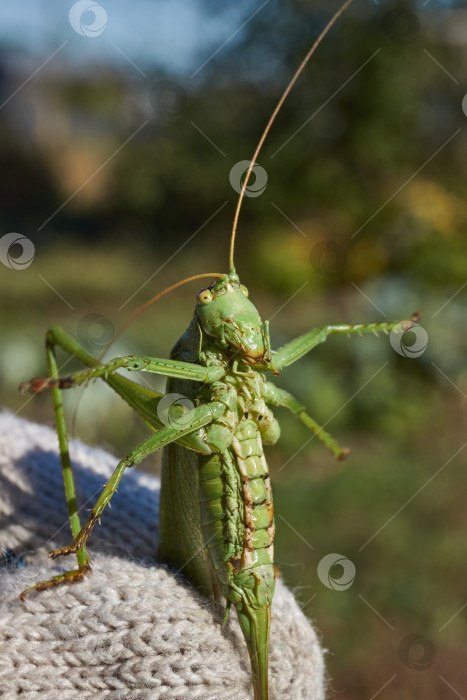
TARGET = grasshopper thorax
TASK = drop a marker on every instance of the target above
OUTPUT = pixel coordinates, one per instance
(226, 314)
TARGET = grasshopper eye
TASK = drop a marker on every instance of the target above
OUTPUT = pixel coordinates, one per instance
(204, 297)
(244, 290)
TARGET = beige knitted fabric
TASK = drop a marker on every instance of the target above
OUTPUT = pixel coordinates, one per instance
(134, 629)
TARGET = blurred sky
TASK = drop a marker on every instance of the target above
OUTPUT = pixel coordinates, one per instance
(174, 35)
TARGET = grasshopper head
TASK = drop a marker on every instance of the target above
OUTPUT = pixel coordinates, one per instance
(226, 314)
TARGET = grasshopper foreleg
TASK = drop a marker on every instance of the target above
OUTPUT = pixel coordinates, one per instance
(133, 363)
(295, 349)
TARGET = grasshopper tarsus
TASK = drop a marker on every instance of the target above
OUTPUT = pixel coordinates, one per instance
(34, 386)
(38, 385)
(79, 542)
(68, 577)
(63, 552)
(344, 454)
(411, 322)
(415, 318)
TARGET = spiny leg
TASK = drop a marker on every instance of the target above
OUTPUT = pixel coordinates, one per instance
(138, 397)
(133, 363)
(84, 566)
(142, 399)
(280, 397)
(193, 421)
(293, 351)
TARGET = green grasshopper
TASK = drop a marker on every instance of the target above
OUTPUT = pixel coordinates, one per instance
(216, 511)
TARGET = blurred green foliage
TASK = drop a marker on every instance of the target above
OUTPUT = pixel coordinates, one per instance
(383, 154)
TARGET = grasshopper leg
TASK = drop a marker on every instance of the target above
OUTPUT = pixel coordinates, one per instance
(73, 576)
(297, 348)
(84, 566)
(135, 396)
(133, 363)
(280, 397)
(195, 419)
(56, 337)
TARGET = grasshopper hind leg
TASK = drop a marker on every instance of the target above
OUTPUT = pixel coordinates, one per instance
(84, 565)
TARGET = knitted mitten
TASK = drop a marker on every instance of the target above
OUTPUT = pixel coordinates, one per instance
(133, 629)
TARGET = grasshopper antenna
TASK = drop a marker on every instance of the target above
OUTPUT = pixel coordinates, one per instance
(144, 306)
(132, 318)
(289, 87)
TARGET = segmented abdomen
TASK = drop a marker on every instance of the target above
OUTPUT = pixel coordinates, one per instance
(237, 517)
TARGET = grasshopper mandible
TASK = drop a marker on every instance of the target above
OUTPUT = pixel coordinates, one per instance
(216, 512)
